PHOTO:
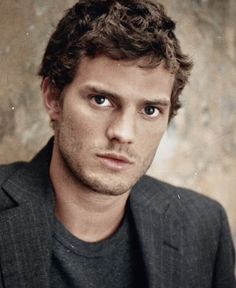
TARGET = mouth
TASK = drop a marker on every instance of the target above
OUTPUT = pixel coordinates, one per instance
(116, 162)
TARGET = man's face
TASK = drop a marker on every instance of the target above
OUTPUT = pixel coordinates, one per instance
(112, 119)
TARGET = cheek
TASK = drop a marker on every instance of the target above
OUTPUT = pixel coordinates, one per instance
(84, 125)
(151, 136)
(148, 145)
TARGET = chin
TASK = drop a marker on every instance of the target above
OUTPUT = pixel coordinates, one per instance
(113, 187)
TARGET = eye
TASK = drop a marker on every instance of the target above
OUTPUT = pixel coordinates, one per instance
(151, 111)
(101, 101)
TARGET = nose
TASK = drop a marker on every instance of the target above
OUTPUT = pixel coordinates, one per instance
(122, 129)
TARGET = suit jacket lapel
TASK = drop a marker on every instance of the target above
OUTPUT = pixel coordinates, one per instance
(25, 239)
(159, 235)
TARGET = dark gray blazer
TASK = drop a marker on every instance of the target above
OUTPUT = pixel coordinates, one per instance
(184, 237)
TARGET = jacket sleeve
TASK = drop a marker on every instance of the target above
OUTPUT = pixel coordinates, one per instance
(224, 272)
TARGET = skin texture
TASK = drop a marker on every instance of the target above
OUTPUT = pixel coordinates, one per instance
(107, 130)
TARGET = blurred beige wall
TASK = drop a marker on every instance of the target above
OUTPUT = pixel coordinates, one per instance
(199, 149)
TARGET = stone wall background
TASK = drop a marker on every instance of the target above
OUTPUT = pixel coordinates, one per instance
(199, 149)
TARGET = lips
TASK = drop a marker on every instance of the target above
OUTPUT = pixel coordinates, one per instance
(115, 161)
(114, 156)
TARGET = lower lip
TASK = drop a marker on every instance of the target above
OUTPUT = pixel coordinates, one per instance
(114, 164)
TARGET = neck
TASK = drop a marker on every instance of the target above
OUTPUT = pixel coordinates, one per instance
(88, 215)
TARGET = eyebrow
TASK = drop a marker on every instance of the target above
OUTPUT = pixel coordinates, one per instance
(115, 96)
(157, 102)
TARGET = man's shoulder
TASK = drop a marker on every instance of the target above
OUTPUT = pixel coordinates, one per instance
(179, 200)
(6, 170)
(36, 166)
(198, 215)
(172, 192)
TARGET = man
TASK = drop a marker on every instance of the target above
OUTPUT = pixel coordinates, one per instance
(81, 213)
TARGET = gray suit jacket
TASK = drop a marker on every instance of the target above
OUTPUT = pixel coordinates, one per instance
(184, 237)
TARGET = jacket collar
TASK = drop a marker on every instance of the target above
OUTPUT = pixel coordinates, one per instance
(31, 181)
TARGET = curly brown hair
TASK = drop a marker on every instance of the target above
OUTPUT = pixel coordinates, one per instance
(119, 29)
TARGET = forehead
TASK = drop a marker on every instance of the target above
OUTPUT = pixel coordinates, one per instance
(126, 78)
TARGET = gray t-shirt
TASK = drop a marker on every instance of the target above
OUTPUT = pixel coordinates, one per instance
(114, 262)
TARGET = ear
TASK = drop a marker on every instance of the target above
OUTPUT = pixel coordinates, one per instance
(51, 99)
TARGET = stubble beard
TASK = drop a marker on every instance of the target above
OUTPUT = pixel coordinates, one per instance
(93, 182)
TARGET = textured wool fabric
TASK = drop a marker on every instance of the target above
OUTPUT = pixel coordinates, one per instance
(183, 237)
